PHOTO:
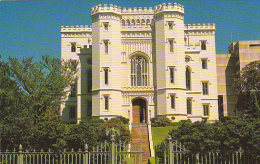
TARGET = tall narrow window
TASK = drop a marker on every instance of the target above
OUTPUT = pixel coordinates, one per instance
(188, 79)
(173, 101)
(170, 25)
(171, 45)
(203, 45)
(133, 22)
(73, 47)
(123, 22)
(139, 71)
(89, 80)
(72, 112)
(172, 75)
(205, 86)
(128, 22)
(189, 106)
(105, 26)
(138, 22)
(204, 63)
(106, 46)
(220, 106)
(89, 108)
(106, 75)
(106, 102)
(148, 22)
(73, 90)
(206, 110)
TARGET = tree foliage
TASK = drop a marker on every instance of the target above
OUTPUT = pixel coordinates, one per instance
(229, 134)
(160, 121)
(248, 87)
(30, 95)
(30, 92)
(43, 83)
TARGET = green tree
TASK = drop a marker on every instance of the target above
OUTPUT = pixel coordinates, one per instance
(12, 98)
(49, 134)
(248, 87)
(30, 92)
(43, 82)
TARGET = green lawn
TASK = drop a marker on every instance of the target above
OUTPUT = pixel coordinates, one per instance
(160, 133)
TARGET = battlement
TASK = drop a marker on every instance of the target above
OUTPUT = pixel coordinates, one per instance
(77, 28)
(157, 9)
(138, 10)
(200, 27)
(106, 8)
(169, 7)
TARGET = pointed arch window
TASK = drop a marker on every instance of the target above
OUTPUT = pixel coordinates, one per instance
(128, 22)
(203, 45)
(139, 69)
(138, 22)
(123, 22)
(73, 47)
(188, 81)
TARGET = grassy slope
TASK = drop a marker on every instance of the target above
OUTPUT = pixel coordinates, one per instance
(160, 133)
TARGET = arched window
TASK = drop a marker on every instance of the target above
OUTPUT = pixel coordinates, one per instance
(138, 22)
(147, 22)
(188, 84)
(143, 22)
(203, 45)
(123, 22)
(73, 47)
(139, 69)
(133, 22)
(128, 22)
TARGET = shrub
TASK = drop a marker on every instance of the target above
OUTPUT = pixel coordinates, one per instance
(125, 120)
(228, 134)
(160, 122)
(119, 119)
(118, 124)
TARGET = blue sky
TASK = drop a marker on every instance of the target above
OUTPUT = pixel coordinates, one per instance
(33, 28)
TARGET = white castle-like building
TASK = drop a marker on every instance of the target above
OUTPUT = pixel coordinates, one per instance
(140, 63)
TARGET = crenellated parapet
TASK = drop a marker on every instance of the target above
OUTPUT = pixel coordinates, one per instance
(76, 32)
(138, 10)
(169, 7)
(77, 28)
(105, 9)
(199, 26)
(200, 29)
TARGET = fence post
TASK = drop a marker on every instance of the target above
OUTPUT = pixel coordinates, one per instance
(20, 158)
(197, 157)
(170, 151)
(113, 152)
(85, 160)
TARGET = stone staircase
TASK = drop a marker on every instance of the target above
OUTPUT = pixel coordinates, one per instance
(139, 138)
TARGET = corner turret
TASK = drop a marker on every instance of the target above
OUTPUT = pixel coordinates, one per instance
(106, 9)
(169, 7)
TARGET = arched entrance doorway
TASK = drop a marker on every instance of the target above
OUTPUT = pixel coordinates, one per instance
(139, 111)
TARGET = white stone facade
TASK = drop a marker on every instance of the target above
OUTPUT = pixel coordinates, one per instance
(142, 63)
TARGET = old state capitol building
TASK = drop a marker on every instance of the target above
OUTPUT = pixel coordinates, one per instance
(140, 63)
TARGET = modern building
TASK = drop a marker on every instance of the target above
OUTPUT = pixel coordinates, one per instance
(140, 63)
(240, 54)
